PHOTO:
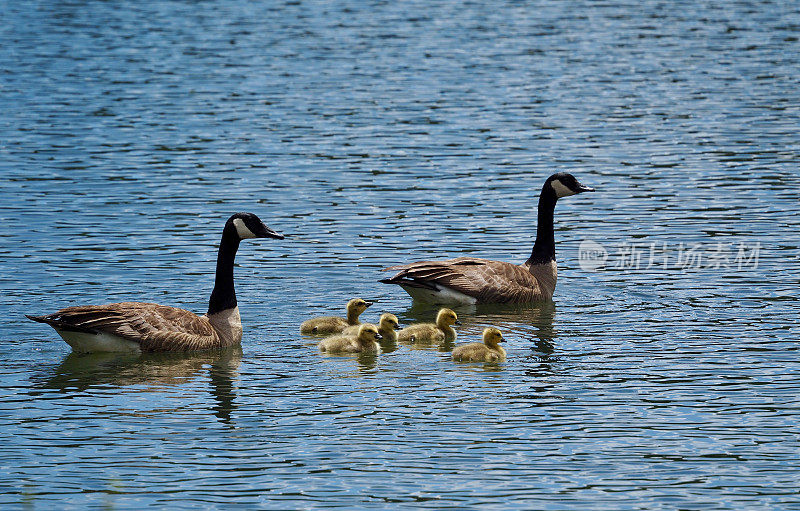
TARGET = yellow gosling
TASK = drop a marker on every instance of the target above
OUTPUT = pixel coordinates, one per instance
(328, 325)
(440, 331)
(365, 341)
(387, 327)
(487, 351)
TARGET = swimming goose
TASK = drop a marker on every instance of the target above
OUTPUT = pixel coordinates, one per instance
(327, 325)
(487, 351)
(137, 326)
(431, 332)
(469, 280)
(366, 340)
(386, 327)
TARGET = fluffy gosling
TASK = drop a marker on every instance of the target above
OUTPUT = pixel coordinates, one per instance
(365, 341)
(328, 325)
(387, 327)
(440, 331)
(487, 351)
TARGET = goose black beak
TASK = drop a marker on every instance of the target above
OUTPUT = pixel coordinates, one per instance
(584, 188)
(266, 232)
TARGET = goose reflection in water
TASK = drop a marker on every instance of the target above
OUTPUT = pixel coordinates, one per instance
(81, 372)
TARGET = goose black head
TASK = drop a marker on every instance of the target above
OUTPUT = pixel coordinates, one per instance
(248, 225)
(565, 184)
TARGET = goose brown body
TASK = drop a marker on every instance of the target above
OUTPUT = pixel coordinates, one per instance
(482, 280)
(154, 327)
(471, 280)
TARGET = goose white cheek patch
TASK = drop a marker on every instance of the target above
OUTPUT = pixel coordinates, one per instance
(242, 230)
(560, 189)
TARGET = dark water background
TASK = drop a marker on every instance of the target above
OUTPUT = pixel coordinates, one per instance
(373, 133)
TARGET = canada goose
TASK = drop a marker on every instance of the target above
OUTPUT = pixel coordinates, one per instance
(137, 326)
(387, 326)
(327, 325)
(431, 332)
(487, 351)
(469, 280)
(365, 340)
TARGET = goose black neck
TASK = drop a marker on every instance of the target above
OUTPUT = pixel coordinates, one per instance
(544, 249)
(223, 296)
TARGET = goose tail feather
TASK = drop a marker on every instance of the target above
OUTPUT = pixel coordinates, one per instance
(55, 323)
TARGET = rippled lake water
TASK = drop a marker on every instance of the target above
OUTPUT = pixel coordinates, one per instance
(664, 375)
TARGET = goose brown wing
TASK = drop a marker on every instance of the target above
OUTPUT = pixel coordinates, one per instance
(155, 327)
(483, 279)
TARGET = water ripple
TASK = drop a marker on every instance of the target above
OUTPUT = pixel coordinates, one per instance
(373, 134)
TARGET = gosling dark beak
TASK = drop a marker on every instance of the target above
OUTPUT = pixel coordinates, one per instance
(266, 232)
(457, 323)
(368, 303)
(584, 188)
(378, 336)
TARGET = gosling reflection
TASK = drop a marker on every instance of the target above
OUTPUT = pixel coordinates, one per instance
(80, 372)
(351, 364)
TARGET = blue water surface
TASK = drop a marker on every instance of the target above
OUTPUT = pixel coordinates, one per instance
(664, 374)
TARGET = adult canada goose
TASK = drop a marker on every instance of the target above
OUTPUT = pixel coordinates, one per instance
(327, 325)
(469, 280)
(366, 340)
(440, 331)
(487, 351)
(137, 326)
(387, 327)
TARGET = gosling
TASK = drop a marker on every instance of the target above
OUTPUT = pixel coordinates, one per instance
(365, 341)
(441, 331)
(387, 327)
(328, 325)
(488, 351)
